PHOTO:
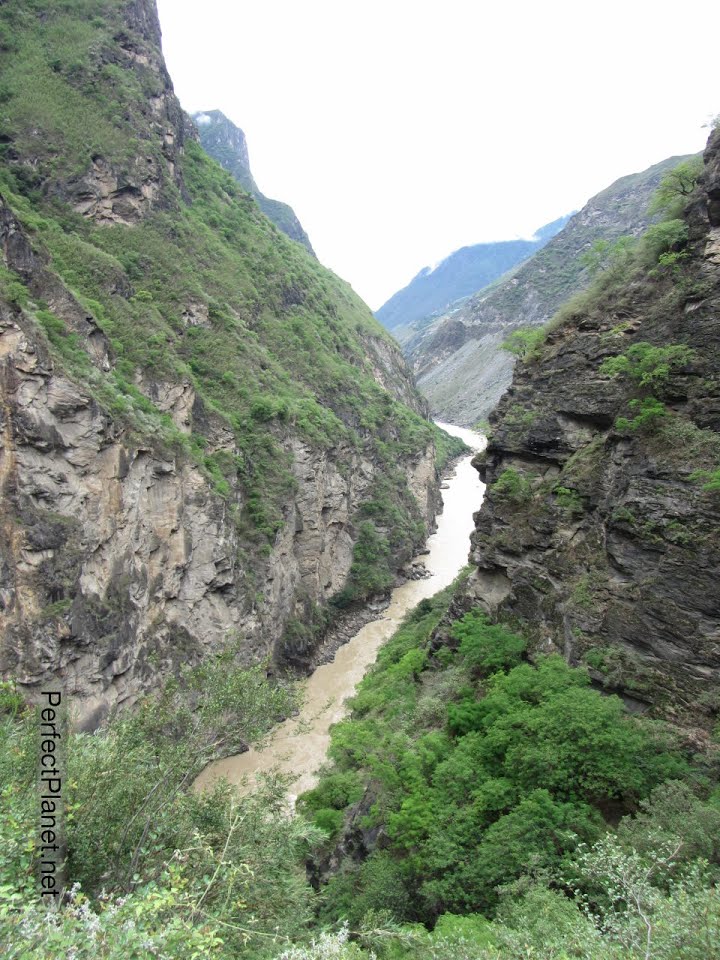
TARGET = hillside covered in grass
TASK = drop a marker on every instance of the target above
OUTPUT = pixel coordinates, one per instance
(199, 418)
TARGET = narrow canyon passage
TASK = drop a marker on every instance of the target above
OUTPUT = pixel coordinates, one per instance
(299, 745)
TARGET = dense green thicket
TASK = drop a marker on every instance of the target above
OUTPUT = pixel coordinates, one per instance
(514, 809)
(156, 869)
(480, 768)
(493, 786)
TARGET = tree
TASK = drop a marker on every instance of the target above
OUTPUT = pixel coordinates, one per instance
(675, 187)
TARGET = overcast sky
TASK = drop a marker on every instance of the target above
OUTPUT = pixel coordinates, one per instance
(400, 130)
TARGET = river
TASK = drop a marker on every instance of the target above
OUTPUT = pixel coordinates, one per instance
(299, 745)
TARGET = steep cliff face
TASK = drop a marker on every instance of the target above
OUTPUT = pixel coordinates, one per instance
(458, 359)
(196, 416)
(600, 531)
(226, 143)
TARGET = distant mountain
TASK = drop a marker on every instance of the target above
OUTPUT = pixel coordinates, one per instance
(463, 273)
(226, 143)
(457, 358)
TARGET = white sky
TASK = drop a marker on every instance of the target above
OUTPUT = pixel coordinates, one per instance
(400, 130)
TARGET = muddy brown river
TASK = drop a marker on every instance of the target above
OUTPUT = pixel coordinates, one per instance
(299, 745)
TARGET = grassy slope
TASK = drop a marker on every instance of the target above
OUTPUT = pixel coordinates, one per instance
(285, 349)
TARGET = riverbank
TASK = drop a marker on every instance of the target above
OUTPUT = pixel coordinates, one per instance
(298, 745)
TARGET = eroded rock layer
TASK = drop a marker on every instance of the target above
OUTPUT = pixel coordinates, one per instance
(600, 531)
(197, 419)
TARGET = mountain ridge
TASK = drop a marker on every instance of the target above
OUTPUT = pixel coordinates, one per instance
(458, 360)
(226, 143)
(200, 421)
(460, 274)
(599, 532)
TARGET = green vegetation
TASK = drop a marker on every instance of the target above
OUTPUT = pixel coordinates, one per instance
(517, 808)
(675, 189)
(649, 368)
(608, 255)
(203, 290)
(524, 342)
(499, 807)
(647, 365)
(710, 480)
(513, 486)
(155, 867)
(494, 784)
(568, 500)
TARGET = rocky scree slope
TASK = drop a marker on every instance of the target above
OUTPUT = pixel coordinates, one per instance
(458, 359)
(226, 143)
(206, 435)
(600, 530)
(462, 273)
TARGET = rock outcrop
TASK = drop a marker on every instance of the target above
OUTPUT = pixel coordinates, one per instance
(600, 535)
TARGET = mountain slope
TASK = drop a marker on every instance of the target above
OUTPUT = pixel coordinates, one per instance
(600, 532)
(462, 273)
(226, 143)
(200, 422)
(458, 360)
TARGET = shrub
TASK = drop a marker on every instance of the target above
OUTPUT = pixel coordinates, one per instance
(525, 342)
(649, 411)
(675, 187)
(568, 500)
(511, 485)
(485, 646)
(662, 238)
(647, 365)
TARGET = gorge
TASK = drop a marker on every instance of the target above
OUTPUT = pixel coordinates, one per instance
(482, 664)
(298, 746)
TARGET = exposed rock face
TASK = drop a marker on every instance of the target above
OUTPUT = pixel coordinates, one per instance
(458, 358)
(147, 555)
(226, 143)
(121, 558)
(123, 190)
(600, 539)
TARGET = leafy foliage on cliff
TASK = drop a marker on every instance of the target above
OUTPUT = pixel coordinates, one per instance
(477, 769)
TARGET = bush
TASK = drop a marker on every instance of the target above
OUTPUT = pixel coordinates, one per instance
(647, 365)
(487, 647)
(511, 485)
(525, 342)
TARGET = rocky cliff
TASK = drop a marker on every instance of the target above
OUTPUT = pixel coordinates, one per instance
(226, 143)
(600, 531)
(458, 359)
(197, 418)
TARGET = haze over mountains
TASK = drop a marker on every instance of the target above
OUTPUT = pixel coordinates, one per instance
(460, 274)
(226, 143)
(457, 356)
